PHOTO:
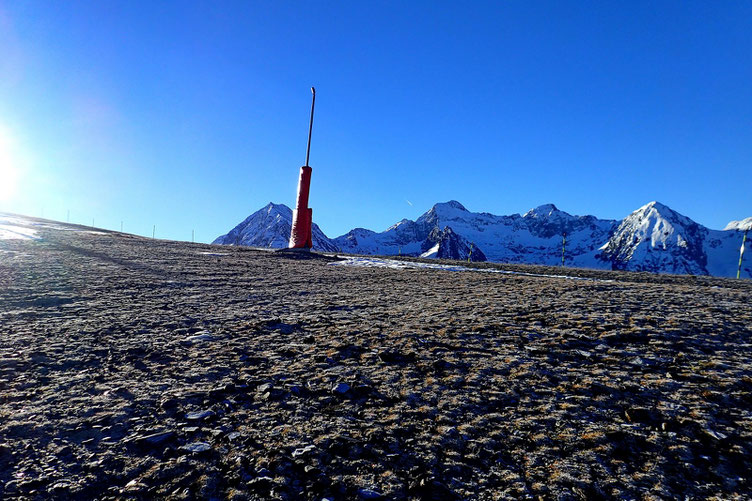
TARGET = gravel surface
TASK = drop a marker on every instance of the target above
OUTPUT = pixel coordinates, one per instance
(139, 368)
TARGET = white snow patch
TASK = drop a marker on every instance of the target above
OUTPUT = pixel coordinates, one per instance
(744, 224)
(432, 252)
(214, 253)
(371, 262)
(15, 229)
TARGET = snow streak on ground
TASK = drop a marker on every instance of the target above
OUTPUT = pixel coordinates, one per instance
(373, 262)
(15, 229)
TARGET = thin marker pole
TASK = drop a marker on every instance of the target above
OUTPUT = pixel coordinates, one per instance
(741, 254)
(192, 235)
(67, 218)
(154, 231)
(563, 247)
(310, 126)
(471, 252)
(92, 222)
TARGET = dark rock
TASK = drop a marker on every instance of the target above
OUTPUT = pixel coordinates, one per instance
(396, 357)
(340, 388)
(261, 484)
(156, 438)
(431, 489)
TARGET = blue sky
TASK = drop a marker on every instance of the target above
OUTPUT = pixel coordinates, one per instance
(194, 115)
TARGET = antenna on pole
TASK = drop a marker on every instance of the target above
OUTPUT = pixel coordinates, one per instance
(310, 126)
(300, 233)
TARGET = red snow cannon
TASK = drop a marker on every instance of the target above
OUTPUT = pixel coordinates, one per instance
(302, 216)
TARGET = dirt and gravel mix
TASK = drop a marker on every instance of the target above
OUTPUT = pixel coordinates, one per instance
(133, 368)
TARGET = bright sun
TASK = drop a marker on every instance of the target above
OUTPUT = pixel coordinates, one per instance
(9, 166)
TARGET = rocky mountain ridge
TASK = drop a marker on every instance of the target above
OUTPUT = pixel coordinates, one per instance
(653, 238)
(270, 227)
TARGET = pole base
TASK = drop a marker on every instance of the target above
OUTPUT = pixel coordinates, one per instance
(295, 249)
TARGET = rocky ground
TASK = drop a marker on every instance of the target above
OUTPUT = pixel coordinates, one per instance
(139, 368)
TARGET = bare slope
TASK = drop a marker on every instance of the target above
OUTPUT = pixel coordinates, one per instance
(139, 368)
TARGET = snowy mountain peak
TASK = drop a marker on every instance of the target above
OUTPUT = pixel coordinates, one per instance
(440, 214)
(398, 224)
(544, 210)
(271, 207)
(270, 227)
(744, 224)
(658, 211)
(656, 207)
(452, 204)
(659, 238)
(654, 204)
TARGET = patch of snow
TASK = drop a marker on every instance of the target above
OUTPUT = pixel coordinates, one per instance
(200, 337)
(196, 447)
(744, 224)
(372, 262)
(12, 228)
(432, 252)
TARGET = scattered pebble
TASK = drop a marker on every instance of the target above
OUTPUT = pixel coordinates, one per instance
(196, 447)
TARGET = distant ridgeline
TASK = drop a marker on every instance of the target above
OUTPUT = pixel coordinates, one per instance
(653, 238)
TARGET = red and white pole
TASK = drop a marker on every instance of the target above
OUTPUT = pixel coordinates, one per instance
(302, 216)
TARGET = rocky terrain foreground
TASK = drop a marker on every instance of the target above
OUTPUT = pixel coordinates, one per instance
(133, 368)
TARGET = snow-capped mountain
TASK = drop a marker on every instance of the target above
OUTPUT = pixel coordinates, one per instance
(270, 227)
(535, 237)
(658, 239)
(653, 238)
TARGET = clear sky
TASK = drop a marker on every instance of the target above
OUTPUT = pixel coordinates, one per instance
(194, 115)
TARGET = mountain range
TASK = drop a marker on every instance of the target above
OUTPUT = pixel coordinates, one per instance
(653, 238)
